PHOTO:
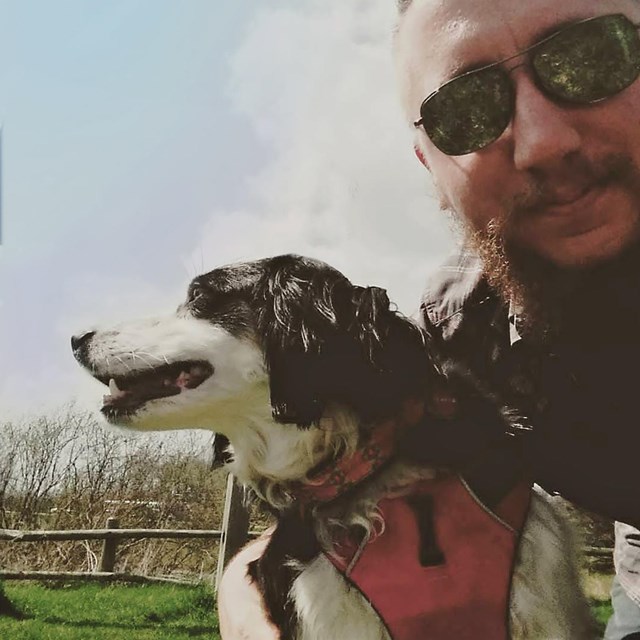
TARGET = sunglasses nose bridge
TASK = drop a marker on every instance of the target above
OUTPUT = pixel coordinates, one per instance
(514, 67)
(542, 129)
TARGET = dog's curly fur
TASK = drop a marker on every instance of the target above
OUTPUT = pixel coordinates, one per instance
(295, 366)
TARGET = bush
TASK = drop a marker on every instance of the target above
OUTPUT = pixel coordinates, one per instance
(69, 471)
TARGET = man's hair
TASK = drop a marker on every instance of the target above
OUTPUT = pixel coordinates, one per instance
(403, 5)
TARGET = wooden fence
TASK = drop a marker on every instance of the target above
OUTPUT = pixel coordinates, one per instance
(233, 535)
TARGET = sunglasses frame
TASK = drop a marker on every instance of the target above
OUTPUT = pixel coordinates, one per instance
(555, 34)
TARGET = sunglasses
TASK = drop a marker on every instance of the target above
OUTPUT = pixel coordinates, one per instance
(583, 63)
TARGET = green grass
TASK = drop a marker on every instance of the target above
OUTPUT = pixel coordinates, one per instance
(95, 612)
(598, 586)
(152, 612)
(602, 612)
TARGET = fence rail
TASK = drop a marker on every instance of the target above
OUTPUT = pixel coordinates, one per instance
(94, 576)
(234, 534)
(106, 534)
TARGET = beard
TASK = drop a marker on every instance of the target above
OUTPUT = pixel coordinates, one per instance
(550, 299)
(535, 287)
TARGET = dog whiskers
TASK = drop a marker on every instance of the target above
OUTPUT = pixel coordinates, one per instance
(146, 362)
(151, 355)
(123, 363)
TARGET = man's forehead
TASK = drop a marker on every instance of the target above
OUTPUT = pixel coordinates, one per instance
(440, 38)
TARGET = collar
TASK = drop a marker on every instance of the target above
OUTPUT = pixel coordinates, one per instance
(372, 454)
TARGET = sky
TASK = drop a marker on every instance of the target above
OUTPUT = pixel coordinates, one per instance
(147, 141)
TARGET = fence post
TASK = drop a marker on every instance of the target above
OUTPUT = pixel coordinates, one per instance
(235, 526)
(109, 546)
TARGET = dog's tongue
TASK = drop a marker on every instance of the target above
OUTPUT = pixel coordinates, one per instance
(189, 379)
(135, 393)
(156, 384)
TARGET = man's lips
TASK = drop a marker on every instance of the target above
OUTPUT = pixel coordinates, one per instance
(568, 195)
(573, 213)
(571, 201)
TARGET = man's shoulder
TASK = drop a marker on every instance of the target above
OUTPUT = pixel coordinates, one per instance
(453, 292)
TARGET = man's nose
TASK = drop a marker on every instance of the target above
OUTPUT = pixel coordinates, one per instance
(543, 130)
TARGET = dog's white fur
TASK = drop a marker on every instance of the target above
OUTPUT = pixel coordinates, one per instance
(547, 602)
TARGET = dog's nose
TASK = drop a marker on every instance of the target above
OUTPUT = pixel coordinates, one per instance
(81, 340)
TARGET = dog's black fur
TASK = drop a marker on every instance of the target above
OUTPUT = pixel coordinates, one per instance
(292, 545)
(328, 341)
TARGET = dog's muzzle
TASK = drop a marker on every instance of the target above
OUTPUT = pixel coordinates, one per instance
(131, 390)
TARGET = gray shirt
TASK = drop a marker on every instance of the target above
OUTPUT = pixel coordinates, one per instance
(626, 558)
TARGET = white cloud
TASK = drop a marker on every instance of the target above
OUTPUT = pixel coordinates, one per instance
(315, 80)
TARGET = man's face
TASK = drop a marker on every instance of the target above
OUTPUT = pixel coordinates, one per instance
(562, 181)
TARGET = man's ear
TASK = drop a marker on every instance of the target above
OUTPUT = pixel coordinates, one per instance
(421, 156)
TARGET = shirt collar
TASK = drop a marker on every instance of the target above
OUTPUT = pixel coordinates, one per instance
(515, 315)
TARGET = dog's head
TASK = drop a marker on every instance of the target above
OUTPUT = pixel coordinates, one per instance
(287, 335)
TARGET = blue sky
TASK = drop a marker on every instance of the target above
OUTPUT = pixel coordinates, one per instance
(111, 113)
(147, 140)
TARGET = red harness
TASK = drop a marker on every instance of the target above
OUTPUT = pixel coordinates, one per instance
(466, 596)
(441, 569)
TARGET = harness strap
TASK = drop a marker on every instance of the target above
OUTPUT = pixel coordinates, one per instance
(430, 554)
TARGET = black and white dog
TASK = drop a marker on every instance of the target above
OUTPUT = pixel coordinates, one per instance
(300, 369)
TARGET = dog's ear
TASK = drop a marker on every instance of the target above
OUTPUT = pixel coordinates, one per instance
(296, 322)
(371, 321)
(395, 356)
(327, 341)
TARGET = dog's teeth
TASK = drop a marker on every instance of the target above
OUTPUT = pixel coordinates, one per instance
(167, 382)
(113, 387)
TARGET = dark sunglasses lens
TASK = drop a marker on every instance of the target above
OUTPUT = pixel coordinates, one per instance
(469, 112)
(590, 61)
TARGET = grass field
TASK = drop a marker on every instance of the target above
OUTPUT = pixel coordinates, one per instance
(95, 612)
(151, 612)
